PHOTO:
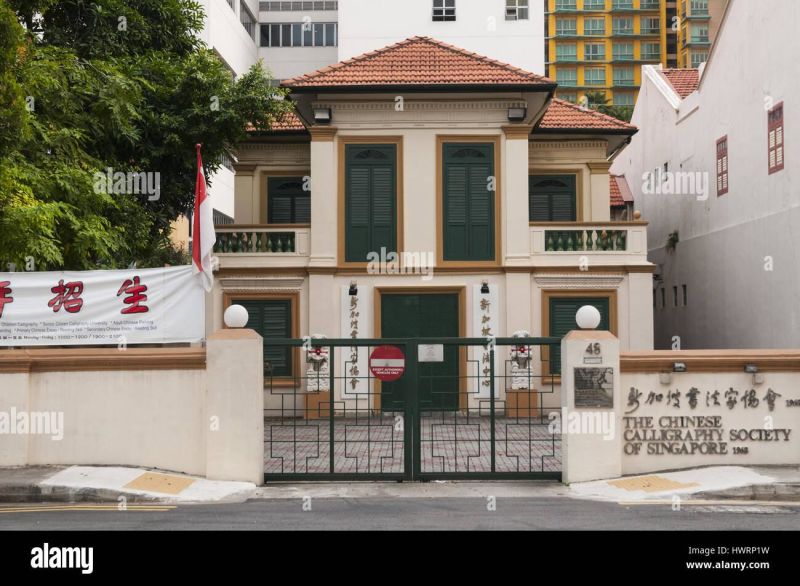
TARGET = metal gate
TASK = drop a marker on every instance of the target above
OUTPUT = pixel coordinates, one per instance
(485, 418)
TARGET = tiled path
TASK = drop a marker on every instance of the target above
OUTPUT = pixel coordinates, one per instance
(449, 443)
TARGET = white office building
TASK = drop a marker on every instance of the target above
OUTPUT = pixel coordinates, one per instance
(298, 37)
(710, 171)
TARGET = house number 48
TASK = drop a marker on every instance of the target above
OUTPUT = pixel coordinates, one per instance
(593, 349)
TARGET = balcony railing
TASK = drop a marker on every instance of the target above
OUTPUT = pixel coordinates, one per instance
(253, 241)
(283, 245)
(585, 240)
(612, 238)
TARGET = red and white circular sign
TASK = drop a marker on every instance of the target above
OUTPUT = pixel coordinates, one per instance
(387, 363)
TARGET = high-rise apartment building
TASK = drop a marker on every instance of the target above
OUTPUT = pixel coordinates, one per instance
(598, 47)
(697, 24)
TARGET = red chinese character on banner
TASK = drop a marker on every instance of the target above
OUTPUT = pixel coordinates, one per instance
(5, 295)
(135, 295)
(67, 295)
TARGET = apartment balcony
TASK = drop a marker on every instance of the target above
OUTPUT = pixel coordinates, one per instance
(607, 243)
(245, 246)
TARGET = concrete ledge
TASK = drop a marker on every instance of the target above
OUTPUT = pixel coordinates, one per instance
(711, 360)
(101, 359)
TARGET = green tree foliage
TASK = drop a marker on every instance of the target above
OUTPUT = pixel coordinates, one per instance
(598, 101)
(120, 84)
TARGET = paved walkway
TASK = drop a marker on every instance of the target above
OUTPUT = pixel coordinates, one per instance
(369, 444)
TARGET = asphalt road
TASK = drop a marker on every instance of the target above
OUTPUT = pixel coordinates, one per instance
(403, 514)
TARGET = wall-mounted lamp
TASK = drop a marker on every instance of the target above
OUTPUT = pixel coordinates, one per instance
(322, 115)
(353, 288)
(665, 378)
(753, 369)
(484, 287)
(679, 367)
(517, 114)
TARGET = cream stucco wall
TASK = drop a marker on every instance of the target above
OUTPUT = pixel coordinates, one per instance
(118, 408)
(520, 275)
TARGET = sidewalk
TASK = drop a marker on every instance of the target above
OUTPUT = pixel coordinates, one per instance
(730, 483)
(733, 484)
(109, 483)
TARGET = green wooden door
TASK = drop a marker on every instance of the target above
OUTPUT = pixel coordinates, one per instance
(370, 200)
(469, 183)
(416, 316)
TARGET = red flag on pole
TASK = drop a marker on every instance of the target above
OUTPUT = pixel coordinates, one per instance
(203, 235)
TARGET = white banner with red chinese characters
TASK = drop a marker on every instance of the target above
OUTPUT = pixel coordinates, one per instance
(130, 306)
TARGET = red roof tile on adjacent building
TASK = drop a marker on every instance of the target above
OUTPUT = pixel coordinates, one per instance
(563, 115)
(616, 196)
(418, 61)
(684, 81)
(288, 123)
(621, 193)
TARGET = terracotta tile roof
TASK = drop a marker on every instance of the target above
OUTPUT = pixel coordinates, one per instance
(684, 81)
(621, 193)
(616, 196)
(289, 123)
(563, 115)
(418, 61)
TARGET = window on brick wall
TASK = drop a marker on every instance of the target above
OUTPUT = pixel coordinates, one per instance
(776, 138)
(722, 166)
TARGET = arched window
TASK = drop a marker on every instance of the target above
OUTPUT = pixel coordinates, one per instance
(552, 198)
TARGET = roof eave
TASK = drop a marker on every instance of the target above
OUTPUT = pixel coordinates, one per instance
(612, 131)
(424, 88)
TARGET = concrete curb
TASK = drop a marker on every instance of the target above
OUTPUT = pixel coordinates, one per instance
(67, 494)
(778, 492)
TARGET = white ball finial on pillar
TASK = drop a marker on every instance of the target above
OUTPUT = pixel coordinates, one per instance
(588, 317)
(236, 316)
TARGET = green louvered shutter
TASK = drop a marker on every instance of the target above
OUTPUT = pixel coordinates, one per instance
(370, 200)
(272, 319)
(287, 202)
(552, 198)
(468, 202)
(562, 321)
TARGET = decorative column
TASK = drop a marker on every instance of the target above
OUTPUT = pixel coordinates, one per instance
(599, 193)
(322, 304)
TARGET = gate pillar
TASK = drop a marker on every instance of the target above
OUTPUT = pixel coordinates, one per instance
(591, 406)
(235, 406)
